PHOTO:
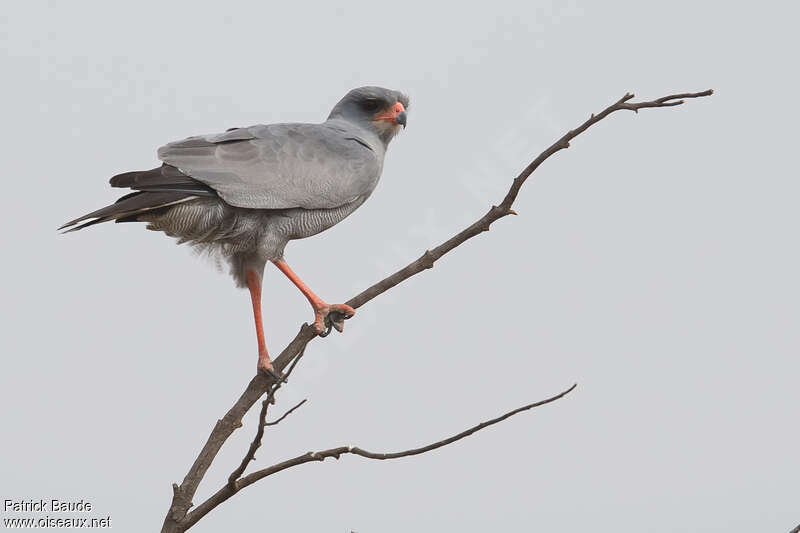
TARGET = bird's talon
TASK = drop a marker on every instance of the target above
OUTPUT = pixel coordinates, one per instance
(325, 333)
(270, 371)
(332, 317)
(336, 319)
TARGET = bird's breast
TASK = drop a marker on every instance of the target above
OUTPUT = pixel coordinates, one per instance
(302, 223)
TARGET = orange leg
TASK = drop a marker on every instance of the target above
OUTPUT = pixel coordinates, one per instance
(321, 309)
(254, 284)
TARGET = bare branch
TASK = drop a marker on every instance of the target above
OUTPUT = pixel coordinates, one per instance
(255, 445)
(262, 422)
(296, 360)
(183, 494)
(225, 492)
(287, 413)
(427, 259)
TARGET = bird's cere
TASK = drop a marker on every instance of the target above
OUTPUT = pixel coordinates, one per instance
(395, 115)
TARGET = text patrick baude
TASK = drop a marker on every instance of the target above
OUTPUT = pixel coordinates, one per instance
(46, 506)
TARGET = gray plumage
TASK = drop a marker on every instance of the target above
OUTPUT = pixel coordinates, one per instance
(281, 166)
(244, 194)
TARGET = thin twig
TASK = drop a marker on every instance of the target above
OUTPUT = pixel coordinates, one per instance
(262, 423)
(251, 452)
(296, 360)
(183, 494)
(225, 492)
(287, 413)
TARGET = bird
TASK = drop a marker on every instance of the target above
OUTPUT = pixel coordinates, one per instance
(243, 194)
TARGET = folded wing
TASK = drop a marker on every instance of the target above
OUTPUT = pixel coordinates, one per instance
(279, 166)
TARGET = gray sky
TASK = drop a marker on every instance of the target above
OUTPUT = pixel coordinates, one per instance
(655, 263)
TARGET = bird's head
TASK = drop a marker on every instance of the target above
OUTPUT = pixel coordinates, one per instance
(380, 110)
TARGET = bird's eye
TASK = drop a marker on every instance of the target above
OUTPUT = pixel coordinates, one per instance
(371, 104)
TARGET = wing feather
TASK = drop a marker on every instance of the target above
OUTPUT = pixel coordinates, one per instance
(280, 166)
(162, 179)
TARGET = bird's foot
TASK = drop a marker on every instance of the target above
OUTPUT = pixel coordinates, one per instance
(265, 367)
(331, 316)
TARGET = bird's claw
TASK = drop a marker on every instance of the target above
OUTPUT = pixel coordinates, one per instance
(326, 332)
(332, 317)
(270, 371)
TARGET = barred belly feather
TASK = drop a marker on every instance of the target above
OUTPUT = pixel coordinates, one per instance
(244, 238)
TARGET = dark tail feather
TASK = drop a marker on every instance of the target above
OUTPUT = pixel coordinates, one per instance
(165, 178)
(128, 207)
(85, 224)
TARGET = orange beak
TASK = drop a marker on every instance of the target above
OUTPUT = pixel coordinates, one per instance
(395, 114)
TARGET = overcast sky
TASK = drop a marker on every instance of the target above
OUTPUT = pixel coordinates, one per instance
(655, 263)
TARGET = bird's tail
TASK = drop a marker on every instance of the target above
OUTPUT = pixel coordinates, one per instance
(128, 208)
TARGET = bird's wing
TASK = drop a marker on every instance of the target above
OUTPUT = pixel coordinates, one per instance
(279, 166)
